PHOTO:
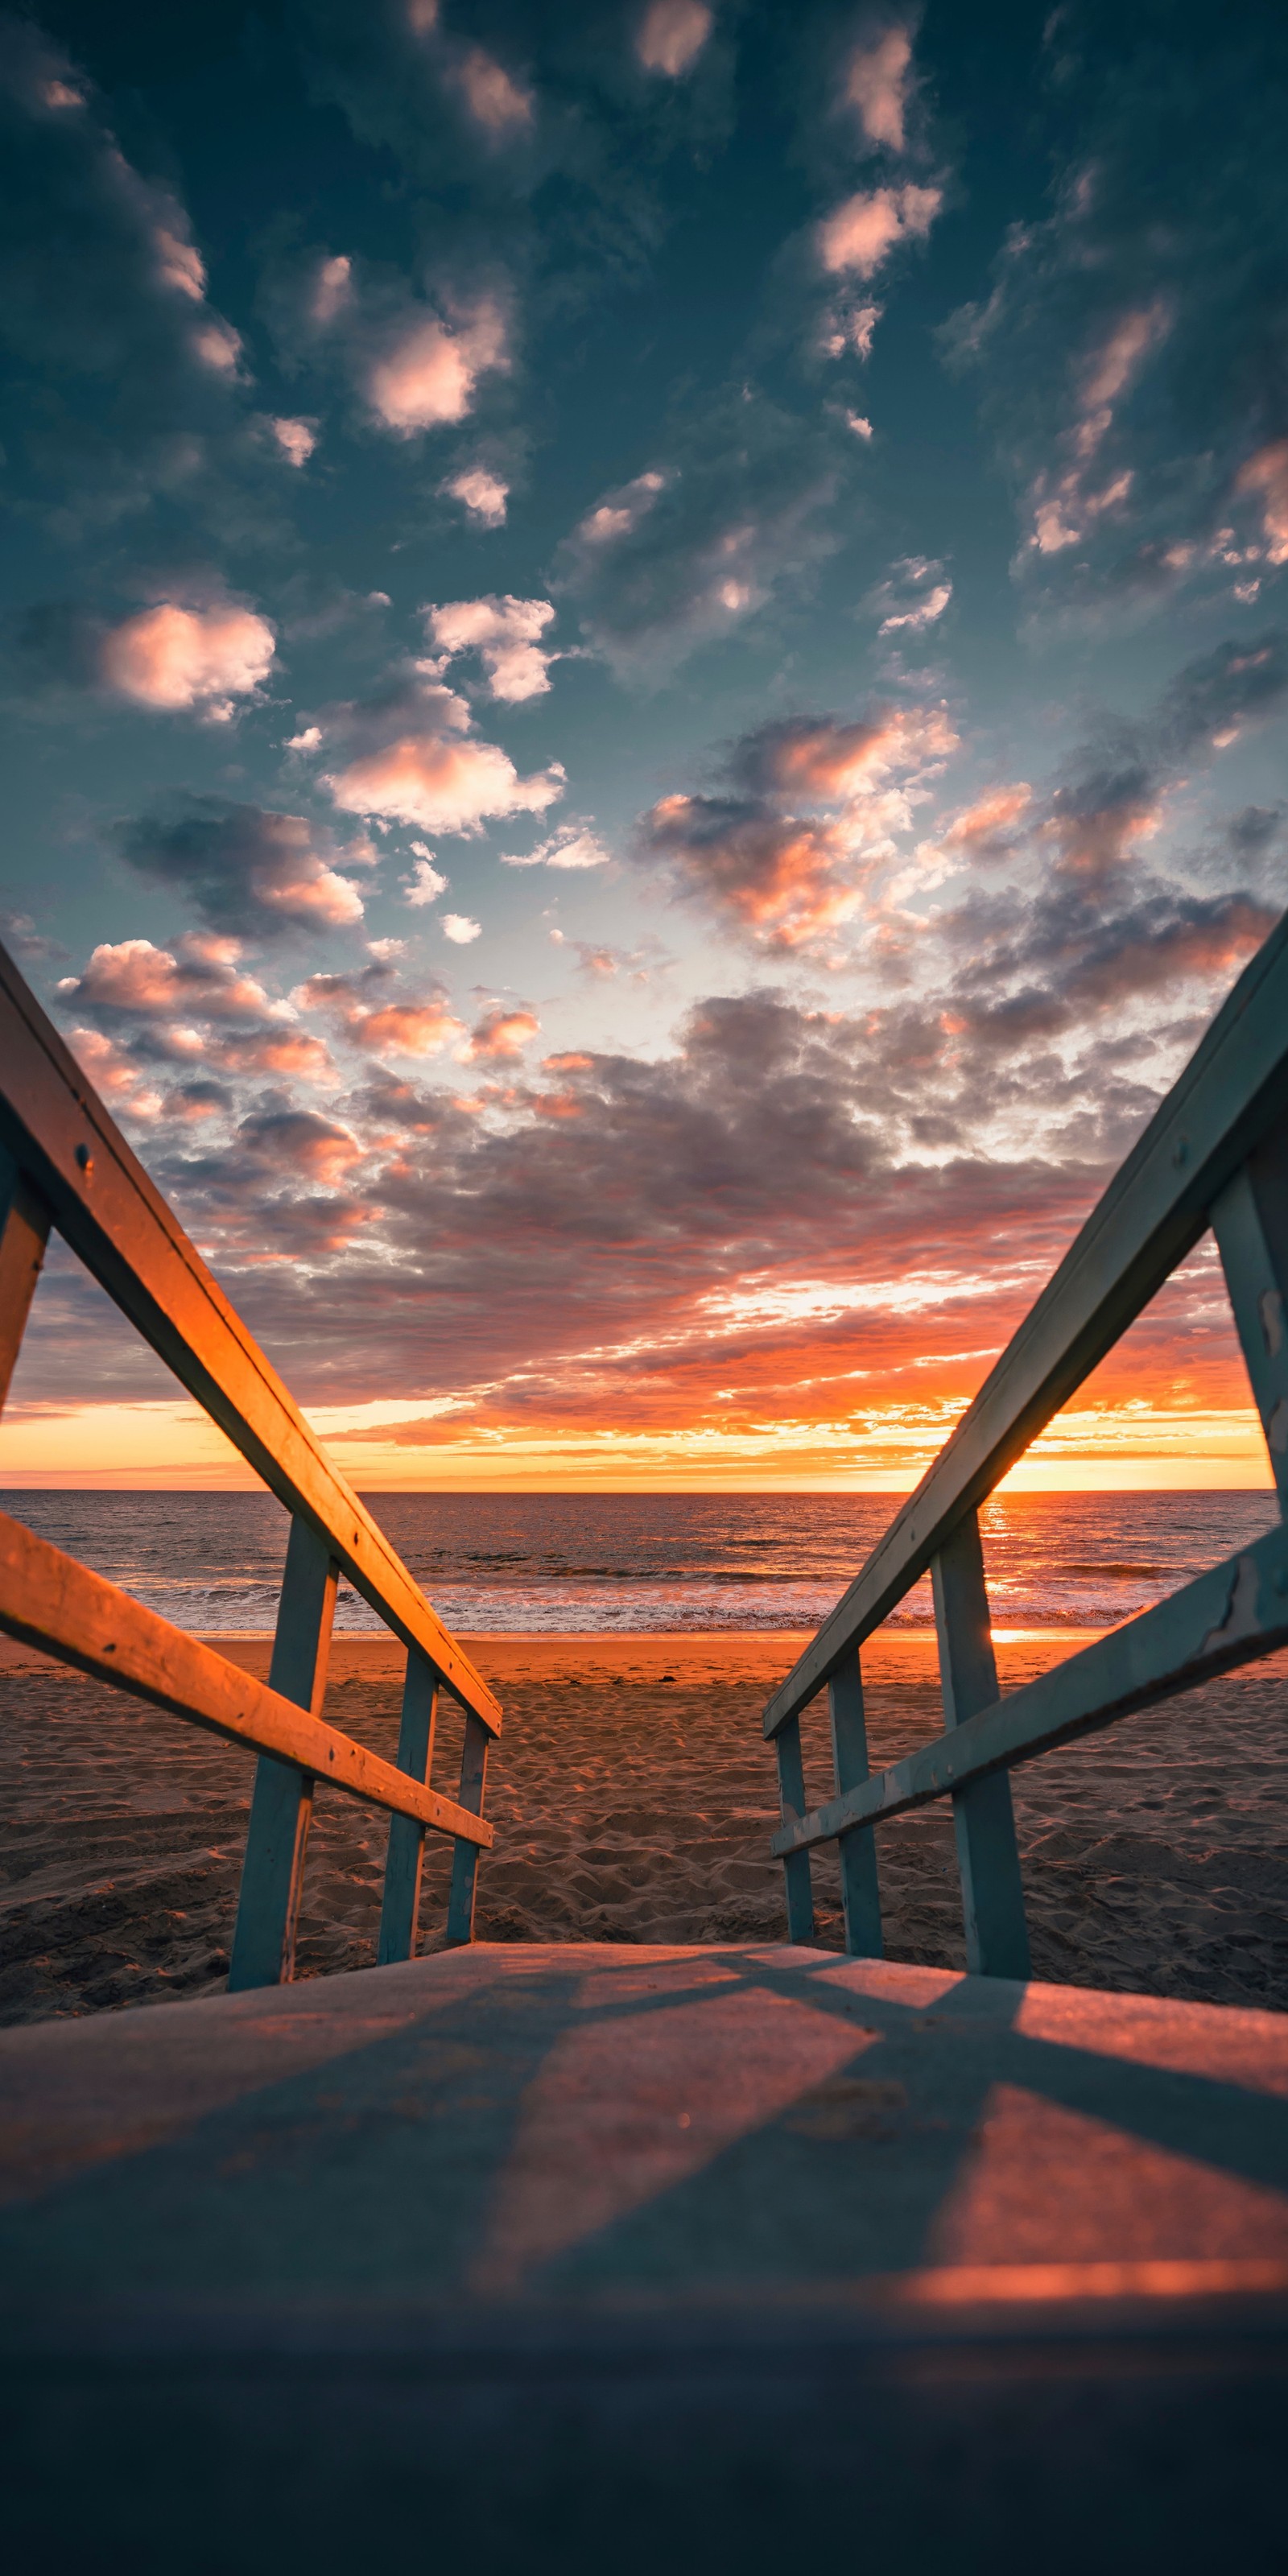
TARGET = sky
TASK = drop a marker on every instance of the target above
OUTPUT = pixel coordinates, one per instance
(643, 666)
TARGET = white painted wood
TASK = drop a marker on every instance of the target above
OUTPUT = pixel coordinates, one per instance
(272, 1881)
(988, 1860)
(860, 1887)
(404, 1861)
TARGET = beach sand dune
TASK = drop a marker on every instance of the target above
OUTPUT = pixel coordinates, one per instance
(633, 1798)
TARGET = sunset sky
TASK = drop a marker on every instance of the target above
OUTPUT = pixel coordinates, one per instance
(645, 670)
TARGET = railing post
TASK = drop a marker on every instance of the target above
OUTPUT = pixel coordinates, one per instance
(282, 1807)
(860, 1888)
(796, 1869)
(997, 1941)
(405, 1857)
(24, 1232)
(1250, 1222)
(465, 1856)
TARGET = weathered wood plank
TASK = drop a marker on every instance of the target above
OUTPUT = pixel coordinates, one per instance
(1250, 1222)
(797, 1881)
(1225, 1618)
(404, 1861)
(465, 1858)
(281, 1812)
(60, 1135)
(49, 1601)
(860, 1886)
(1230, 1097)
(988, 1860)
(24, 1232)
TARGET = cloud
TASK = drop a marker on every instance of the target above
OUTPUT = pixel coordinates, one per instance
(1038, 968)
(458, 927)
(118, 1079)
(298, 1140)
(416, 361)
(189, 1005)
(618, 1239)
(442, 784)
(848, 327)
(691, 550)
(497, 103)
(296, 439)
(367, 1009)
(913, 597)
(1128, 356)
(124, 385)
(877, 81)
(202, 1098)
(481, 492)
(248, 869)
(1217, 697)
(574, 845)
(506, 635)
(826, 760)
(428, 370)
(201, 977)
(1266, 476)
(857, 238)
(502, 1034)
(172, 658)
(418, 762)
(786, 877)
(425, 884)
(986, 828)
(671, 35)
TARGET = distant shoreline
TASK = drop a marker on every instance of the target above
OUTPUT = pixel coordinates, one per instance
(688, 1654)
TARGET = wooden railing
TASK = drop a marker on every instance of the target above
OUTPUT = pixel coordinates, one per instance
(64, 1164)
(1215, 1154)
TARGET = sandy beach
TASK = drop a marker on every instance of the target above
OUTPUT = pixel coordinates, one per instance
(633, 1797)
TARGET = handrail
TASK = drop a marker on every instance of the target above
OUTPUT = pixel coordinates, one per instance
(114, 1218)
(1150, 1217)
(63, 1161)
(49, 1601)
(1214, 1154)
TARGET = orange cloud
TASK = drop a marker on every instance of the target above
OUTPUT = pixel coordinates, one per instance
(859, 235)
(502, 1033)
(428, 373)
(671, 35)
(171, 657)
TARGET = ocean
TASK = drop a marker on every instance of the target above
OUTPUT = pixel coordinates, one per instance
(550, 1563)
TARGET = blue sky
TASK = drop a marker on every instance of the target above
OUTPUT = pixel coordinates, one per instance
(644, 669)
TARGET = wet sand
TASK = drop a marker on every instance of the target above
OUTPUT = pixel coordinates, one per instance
(633, 1796)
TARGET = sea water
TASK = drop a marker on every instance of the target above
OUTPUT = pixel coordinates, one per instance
(545, 1563)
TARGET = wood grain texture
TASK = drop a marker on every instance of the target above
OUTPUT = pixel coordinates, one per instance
(1230, 1098)
(108, 1210)
(24, 1232)
(49, 1601)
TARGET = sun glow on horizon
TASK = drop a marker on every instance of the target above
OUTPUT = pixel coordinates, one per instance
(1099, 1448)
